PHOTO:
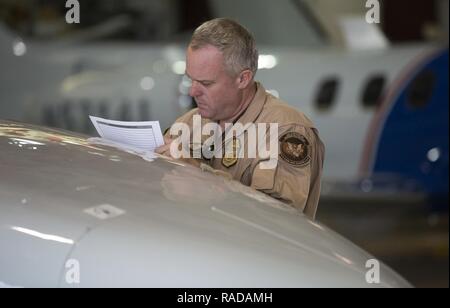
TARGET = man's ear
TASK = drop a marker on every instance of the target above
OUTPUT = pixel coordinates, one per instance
(244, 79)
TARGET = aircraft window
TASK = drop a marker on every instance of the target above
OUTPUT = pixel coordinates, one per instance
(373, 91)
(326, 95)
(66, 115)
(144, 110)
(103, 109)
(49, 116)
(86, 111)
(125, 111)
(421, 89)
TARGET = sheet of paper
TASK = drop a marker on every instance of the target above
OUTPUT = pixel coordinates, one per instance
(146, 136)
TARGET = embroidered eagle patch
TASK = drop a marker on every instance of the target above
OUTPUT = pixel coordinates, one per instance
(295, 149)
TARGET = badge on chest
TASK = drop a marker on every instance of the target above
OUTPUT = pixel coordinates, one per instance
(232, 150)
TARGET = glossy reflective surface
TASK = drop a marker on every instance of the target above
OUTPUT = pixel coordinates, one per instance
(133, 222)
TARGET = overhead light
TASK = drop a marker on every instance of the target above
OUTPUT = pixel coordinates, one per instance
(433, 155)
(19, 48)
(179, 67)
(147, 83)
(267, 62)
(185, 101)
(274, 93)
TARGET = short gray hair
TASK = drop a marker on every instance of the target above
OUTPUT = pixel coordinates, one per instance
(233, 40)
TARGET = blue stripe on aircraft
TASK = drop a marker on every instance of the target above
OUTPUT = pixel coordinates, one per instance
(414, 141)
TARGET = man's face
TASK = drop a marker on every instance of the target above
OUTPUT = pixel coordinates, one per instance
(216, 93)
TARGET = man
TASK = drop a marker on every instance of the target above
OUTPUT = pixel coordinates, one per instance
(222, 61)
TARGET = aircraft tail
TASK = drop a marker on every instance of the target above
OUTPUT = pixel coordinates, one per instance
(409, 135)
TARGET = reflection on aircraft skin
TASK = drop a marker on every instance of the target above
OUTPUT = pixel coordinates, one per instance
(259, 196)
(19, 135)
(47, 237)
(176, 188)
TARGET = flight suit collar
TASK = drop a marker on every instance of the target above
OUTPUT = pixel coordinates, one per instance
(256, 106)
(250, 115)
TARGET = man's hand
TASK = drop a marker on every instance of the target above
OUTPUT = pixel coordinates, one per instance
(165, 149)
(208, 168)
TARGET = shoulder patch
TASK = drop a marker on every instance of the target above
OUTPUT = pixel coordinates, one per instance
(295, 149)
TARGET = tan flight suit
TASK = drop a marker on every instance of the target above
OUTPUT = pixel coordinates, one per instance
(296, 178)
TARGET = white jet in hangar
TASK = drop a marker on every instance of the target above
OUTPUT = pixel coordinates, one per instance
(381, 109)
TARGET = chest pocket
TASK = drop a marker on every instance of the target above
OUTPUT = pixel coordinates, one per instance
(239, 171)
(287, 183)
(235, 159)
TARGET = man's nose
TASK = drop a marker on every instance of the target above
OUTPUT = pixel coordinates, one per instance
(195, 91)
